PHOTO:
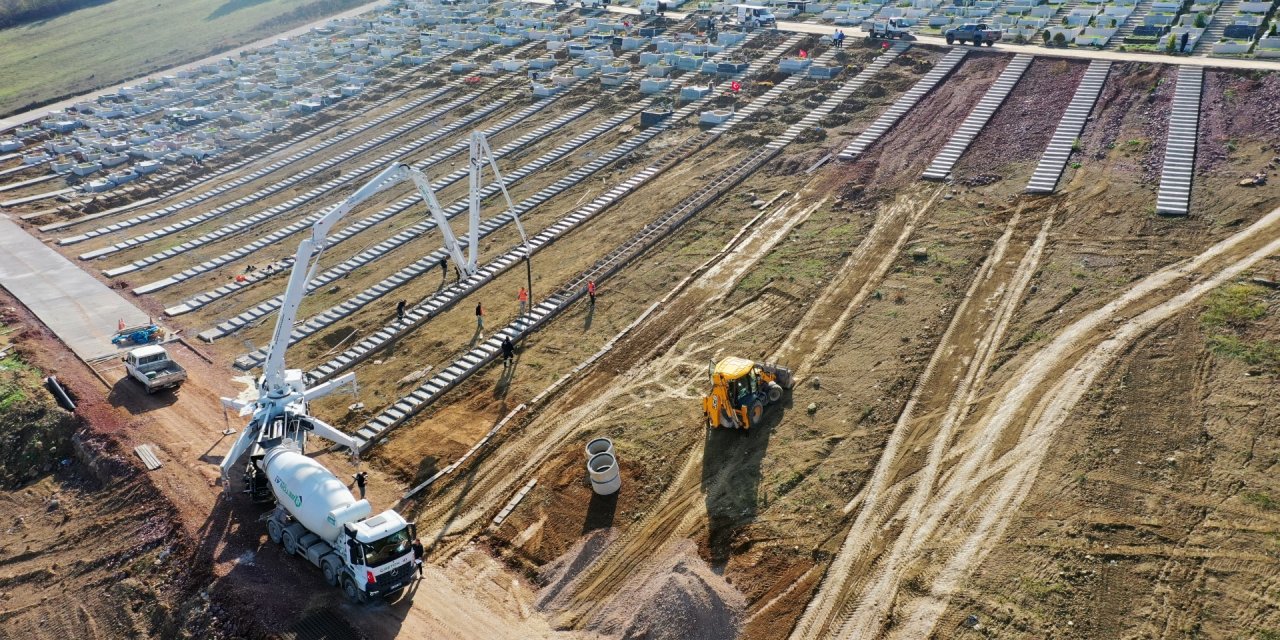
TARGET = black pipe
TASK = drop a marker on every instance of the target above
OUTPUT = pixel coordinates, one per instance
(60, 394)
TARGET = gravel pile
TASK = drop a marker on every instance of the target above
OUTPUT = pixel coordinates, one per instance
(678, 598)
(674, 596)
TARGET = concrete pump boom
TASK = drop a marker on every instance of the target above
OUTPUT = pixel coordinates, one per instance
(282, 393)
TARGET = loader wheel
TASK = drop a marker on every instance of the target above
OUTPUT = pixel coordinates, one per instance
(274, 531)
(349, 589)
(775, 392)
(330, 569)
(755, 412)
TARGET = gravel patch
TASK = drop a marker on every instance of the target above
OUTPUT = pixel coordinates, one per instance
(1022, 127)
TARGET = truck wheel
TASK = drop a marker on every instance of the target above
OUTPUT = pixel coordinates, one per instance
(951, 40)
(290, 543)
(349, 589)
(274, 530)
(990, 43)
(330, 570)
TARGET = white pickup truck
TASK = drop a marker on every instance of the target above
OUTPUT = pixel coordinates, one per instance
(153, 369)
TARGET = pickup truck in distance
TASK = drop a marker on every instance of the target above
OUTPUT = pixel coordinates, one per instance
(977, 33)
(153, 369)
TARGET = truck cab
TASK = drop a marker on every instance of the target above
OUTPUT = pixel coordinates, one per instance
(754, 16)
(976, 32)
(152, 367)
(380, 556)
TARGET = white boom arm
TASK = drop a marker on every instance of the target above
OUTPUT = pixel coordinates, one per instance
(423, 183)
(479, 147)
(275, 393)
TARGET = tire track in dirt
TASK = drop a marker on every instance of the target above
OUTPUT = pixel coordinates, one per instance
(490, 485)
(862, 271)
(1031, 407)
(948, 386)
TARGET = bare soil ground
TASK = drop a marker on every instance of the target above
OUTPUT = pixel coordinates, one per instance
(90, 547)
(1052, 413)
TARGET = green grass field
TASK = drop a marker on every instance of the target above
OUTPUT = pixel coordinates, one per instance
(102, 45)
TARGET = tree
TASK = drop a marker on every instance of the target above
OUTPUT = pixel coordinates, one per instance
(1059, 39)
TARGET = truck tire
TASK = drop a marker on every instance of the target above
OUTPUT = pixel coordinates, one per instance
(350, 590)
(990, 43)
(950, 39)
(329, 567)
(274, 530)
(290, 543)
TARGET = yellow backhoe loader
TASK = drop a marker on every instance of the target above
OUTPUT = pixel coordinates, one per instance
(741, 389)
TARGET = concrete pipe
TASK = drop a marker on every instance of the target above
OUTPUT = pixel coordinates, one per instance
(600, 445)
(603, 469)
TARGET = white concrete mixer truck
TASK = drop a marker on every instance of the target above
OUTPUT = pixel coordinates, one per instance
(315, 515)
(317, 518)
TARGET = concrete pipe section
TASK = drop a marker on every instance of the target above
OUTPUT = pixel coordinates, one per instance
(600, 445)
(603, 469)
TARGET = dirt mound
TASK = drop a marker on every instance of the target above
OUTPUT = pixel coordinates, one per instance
(678, 598)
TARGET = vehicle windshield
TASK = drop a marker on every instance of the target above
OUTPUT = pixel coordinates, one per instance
(382, 551)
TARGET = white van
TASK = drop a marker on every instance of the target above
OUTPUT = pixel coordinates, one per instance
(752, 16)
(653, 7)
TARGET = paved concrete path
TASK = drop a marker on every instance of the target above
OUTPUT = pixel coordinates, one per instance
(82, 311)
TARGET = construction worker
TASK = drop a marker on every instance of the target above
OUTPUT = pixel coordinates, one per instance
(400, 311)
(523, 297)
(444, 269)
(362, 479)
(480, 320)
(591, 291)
(508, 351)
(418, 553)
